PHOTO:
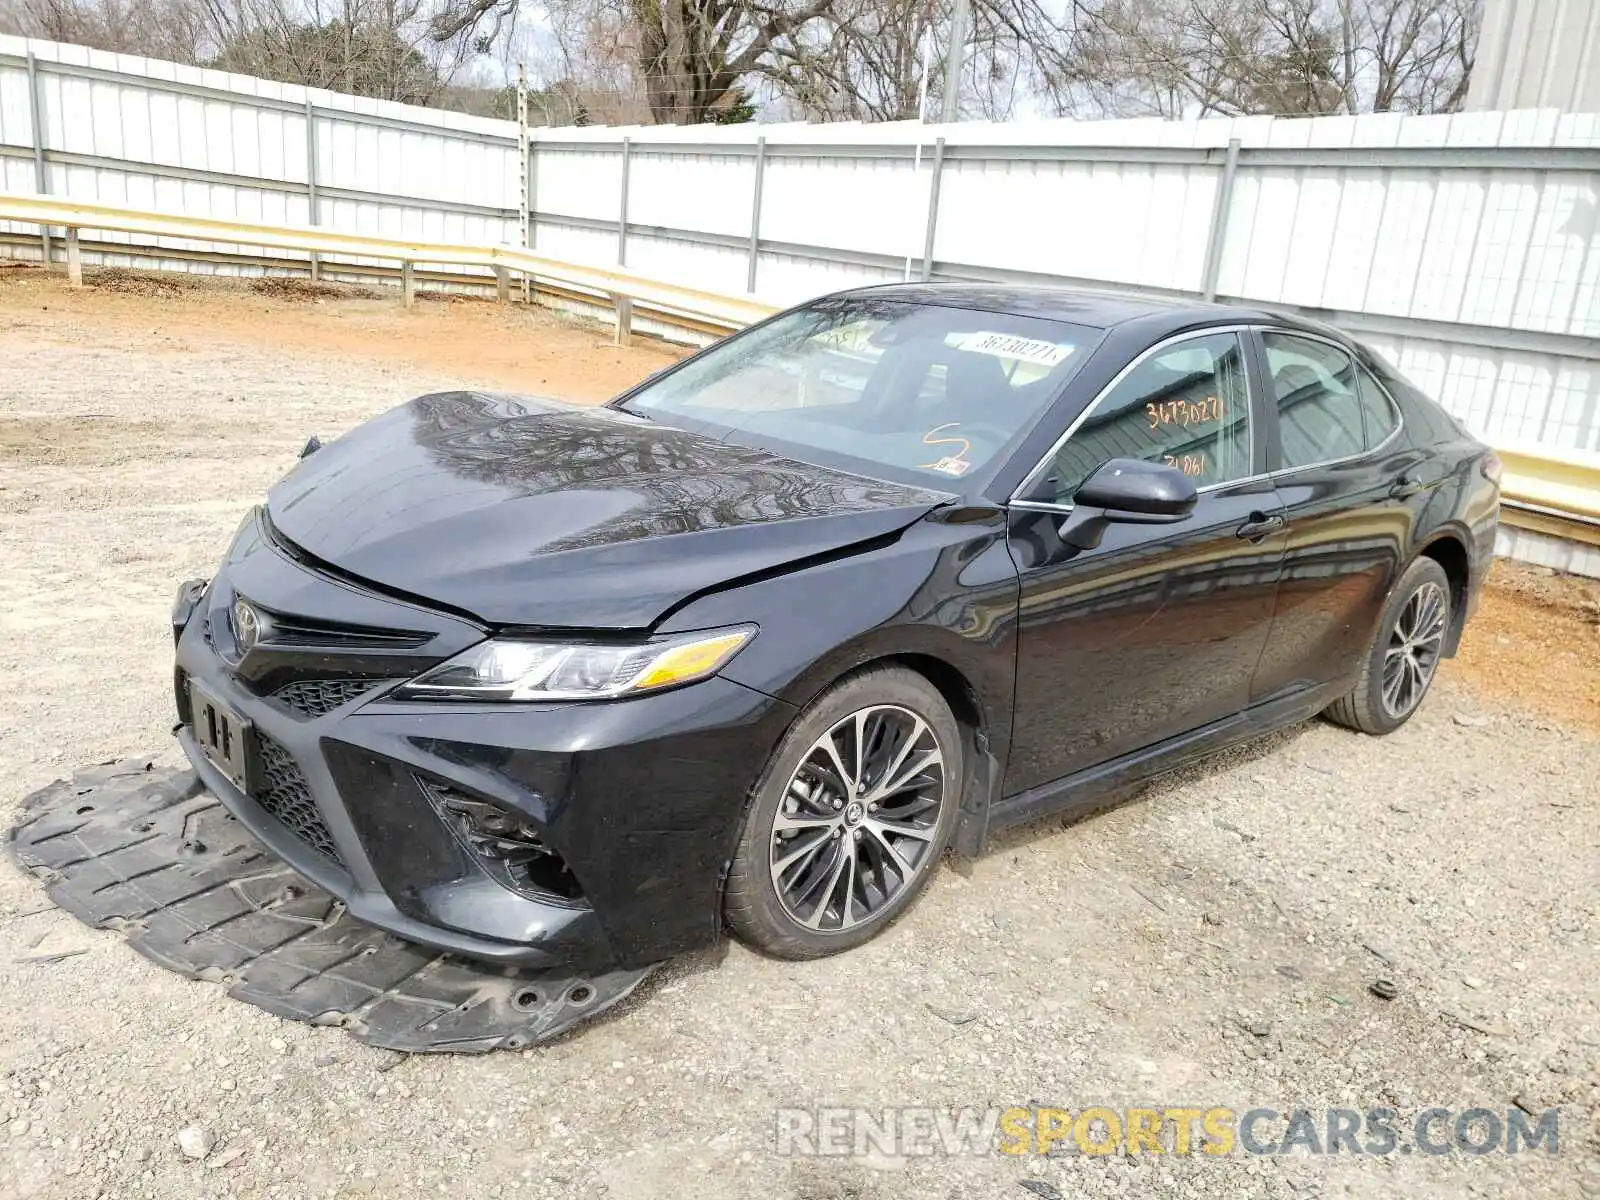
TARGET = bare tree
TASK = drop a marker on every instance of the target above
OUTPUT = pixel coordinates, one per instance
(870, 59)
(365, 47)
(690, 60)
(694, 56)
(160, 28)
(383, 48)
(1292, 57)
(865, 61)
(1169, 57)
(586, 71)
(1420, 51)
(687, 61)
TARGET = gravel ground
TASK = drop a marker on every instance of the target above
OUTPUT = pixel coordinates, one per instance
(1212, 943)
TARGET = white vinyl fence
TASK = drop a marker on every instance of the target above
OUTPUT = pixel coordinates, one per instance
(1465, 248)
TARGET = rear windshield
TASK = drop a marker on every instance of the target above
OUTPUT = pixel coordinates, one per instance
(917, 392)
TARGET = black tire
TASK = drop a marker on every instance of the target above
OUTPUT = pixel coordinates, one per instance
(1366, 708)
(751, 902)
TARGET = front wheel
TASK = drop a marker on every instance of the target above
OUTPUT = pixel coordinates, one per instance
(851, 817)
(1404, 655)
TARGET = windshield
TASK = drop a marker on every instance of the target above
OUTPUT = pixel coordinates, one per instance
(885, 387)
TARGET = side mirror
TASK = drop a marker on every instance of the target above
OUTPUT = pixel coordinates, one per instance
(1130, 489)
(1127, 491)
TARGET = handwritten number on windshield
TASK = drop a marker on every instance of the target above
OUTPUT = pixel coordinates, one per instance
(951, 464)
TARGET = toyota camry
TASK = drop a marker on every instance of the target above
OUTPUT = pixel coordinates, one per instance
(752, 646)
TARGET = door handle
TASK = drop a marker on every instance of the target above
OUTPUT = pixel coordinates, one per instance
(1409, 485)
(1260, 525)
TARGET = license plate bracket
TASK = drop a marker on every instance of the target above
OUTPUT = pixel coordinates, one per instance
(224, 737)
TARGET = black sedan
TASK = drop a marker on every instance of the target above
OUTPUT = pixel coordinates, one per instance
(754, 644)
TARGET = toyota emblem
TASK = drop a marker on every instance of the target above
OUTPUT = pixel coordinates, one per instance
(246, 624)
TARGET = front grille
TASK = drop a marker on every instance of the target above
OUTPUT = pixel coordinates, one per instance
(508, 848)
(318, 697)
(308, 632)
(284, 793)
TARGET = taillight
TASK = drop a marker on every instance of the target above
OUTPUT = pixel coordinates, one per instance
(1491, 467)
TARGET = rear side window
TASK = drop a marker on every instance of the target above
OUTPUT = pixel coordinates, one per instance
(1378, 418)
(1319, 401)
(1186, 406)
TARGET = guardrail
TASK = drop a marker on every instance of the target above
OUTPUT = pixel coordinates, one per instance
(1551, 491)
(1543, 490)
(621, 288)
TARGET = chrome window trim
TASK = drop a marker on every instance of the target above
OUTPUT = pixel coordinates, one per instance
(1040, 506)
(1399, 414)
(1176, 339)
(1228, 483)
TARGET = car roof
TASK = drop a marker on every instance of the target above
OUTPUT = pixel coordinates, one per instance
(1099, 310)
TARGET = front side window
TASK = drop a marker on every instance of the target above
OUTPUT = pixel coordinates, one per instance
(1319, 401)
(920, 392)
(1186, 405)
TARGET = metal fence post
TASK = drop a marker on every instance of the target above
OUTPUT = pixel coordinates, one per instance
(1219, 222)
(533, 193)
(933, 210)
(41, 181)
(622, 215)
(531, 167)
(313, 208)
(525, 173)
(755, 215)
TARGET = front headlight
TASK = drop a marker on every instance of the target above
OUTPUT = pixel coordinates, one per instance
(506, 669)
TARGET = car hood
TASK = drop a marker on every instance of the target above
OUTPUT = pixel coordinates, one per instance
(527, 512)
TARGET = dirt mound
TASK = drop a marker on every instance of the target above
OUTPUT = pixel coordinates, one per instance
(151, 284)
(292, 287)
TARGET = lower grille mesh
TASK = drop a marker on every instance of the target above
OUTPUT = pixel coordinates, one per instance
(284, 793)
(318, 697)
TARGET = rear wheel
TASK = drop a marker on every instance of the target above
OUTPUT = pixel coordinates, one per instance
(850, 819)
(1404, 655)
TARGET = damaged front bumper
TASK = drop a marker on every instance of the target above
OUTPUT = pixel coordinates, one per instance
(588, 836)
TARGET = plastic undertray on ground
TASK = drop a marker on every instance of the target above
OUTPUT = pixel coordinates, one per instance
(150, 853)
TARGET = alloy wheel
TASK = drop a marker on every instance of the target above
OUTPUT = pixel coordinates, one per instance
(858, 819)
(1412, 654)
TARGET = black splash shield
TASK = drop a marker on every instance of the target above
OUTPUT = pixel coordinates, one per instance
(152, 854)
